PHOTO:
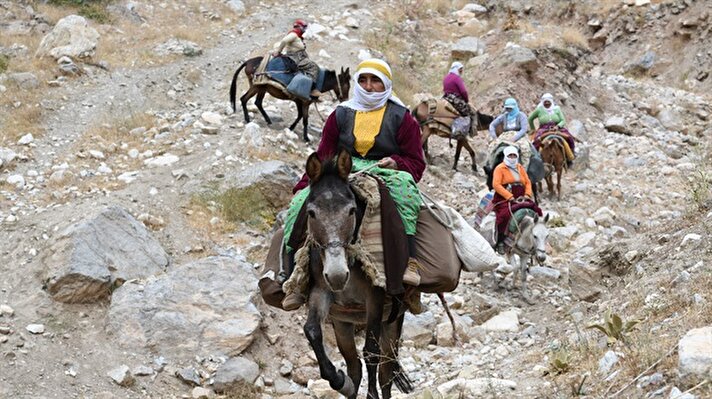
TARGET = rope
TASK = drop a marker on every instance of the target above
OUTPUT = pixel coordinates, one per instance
(434, 204)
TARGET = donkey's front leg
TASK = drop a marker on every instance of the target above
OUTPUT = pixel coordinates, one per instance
(523, 262)
(371, 350)
(319, 302)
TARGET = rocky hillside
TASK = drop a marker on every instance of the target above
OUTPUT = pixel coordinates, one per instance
(136, 208)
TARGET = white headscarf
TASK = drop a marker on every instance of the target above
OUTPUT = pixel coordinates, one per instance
(548, 97)
(455, 67)
(365, 101)
(511, 162)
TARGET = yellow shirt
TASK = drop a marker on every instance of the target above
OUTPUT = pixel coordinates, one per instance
(367, 125)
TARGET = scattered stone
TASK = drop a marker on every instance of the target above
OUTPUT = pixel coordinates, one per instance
(178, 46)
(26, 139)
(237, 6)
(235, 371)
(72, 37)
(504, 321)
(189, 376)
(351, 22)
(202, 393)
(36, 328)
(6, 156)
(544, 272)
(695, 354)
(6, 310)
(212, 118)
(142, 371)
(675, 393)
(616, 124)
(467, 47)
(16, 180)
(364, 55)
(286, 368)
(689, 238)
(252, 135)
(520, 56)
(320, 389)
(162, 160)
(86, 259)
(478, 387)
(474, 8)
(121, 376)
(127, 177)
(96, 154)
(606, 363)
(419, 328)
(24, 80)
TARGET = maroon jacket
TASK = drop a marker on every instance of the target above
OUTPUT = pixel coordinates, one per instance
(410, 159)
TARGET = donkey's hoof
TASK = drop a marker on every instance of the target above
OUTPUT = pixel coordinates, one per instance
(348, 388)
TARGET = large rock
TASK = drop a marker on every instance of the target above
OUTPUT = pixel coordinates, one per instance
(178, 46)
(234, 372)
(85, 261)
(72, 37)
(467, 47)
(505, 321)
(577, 128)
(260, 191)
(200, 308)
(695, 354)
(520, 56)
(24, 80)
(6, 156)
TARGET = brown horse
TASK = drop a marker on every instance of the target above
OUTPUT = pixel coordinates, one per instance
(553, 153)
(340, 84)
(422, 114)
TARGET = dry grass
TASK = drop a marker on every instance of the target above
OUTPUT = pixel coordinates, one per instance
(115, 130)
(574, 37)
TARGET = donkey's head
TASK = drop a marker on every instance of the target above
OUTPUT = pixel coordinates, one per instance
(331, 215)
(534, 236)
(343, 84)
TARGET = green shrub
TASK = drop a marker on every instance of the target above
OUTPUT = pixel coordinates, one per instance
(4, 63)
(91, 9)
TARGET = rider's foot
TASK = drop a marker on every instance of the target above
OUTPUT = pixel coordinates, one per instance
(500, 248)
(315, 93)
(412, 276)
(293, 301)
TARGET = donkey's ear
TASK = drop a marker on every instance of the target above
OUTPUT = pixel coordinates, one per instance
(343, 164)
(313, 168)
(342, 71)
(348, 70)
(546, 218)
(536, 219)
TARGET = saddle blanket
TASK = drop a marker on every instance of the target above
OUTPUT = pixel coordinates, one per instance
(281, 72)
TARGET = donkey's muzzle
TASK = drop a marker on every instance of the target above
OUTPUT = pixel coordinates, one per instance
(337, 282)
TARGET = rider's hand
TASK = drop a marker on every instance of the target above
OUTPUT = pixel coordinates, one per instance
(275, 54)
(388, 163)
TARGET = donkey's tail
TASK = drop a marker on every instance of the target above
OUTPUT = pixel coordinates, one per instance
(233, 86)
(449, 316)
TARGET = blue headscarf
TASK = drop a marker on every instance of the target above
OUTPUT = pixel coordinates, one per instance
(514, 113)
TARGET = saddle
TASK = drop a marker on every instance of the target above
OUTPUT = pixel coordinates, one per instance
(560, 137)
(281, 72)
(441, 114)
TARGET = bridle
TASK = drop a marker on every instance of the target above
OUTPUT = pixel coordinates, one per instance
(330, 244)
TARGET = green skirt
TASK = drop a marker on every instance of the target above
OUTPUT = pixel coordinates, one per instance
(400, 184)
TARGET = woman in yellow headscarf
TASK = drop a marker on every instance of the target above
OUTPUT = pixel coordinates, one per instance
(376, 128)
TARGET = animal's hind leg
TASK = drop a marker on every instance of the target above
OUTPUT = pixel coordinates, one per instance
(305, 120)
(319, 302)
(458, 150)
(558, 182)
(243, 100)
(347, 346)
(468, 147)
(550, 185)
(258, 103)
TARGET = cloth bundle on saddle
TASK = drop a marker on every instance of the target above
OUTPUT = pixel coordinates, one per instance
(282, 73)
(526, 209)
(443, 117)
(440, 248)
(560, 137)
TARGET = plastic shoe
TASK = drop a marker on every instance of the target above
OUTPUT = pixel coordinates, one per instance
(411, 275)
(293, 301)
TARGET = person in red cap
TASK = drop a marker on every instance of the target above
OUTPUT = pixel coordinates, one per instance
(294, 47)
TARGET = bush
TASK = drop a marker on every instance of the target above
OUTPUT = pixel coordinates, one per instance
(4, 63)
(91, 9)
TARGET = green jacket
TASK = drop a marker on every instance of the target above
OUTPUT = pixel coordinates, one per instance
(544, 117)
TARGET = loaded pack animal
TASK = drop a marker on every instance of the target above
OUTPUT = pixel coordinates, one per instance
(536, 169)
(553, 153)
(339, 285)
(338, 83)
(529, 244)
(436, 120)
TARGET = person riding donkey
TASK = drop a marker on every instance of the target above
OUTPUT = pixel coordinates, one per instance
(455, 92)
(551, 119)
(382, 137)
(513, 191)
(514, 123)
(295, 48)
